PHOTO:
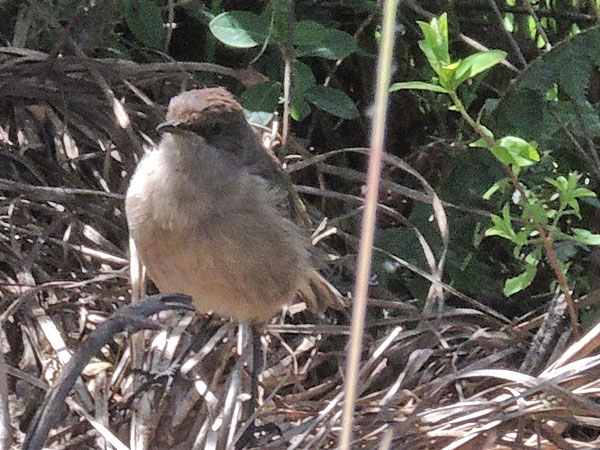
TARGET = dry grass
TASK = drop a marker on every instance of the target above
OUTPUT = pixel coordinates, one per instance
(465, 379)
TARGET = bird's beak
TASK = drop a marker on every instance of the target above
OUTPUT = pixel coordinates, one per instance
(169, 126)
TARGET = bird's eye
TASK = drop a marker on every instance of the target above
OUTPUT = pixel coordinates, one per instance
(216, 128)
(195, 128)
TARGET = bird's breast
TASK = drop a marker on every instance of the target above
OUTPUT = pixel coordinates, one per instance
(216, 235)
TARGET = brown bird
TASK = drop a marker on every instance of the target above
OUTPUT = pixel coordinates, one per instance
(207, 212)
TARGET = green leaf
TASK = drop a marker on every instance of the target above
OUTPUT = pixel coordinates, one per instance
(536, 212)
(521, 239)
(520, 282)
(420, 85)
(552, 93)
(560, 183)
(332, 101)
(436, 38)
(502, 225)
(435, 47)
(475, 64)
(262, 96)
(239, 29)
(583, 192)
(145, 21)
(302, 80)
(523, 152)
(585, 236)
(262, 118)
(299, 109)
(433, 60)
(569, 192)
(302, 77)
(500, 184)
(502, 154)
(481, 142)
(515, 151)
(308, 32)
(524, 109)
(277, 13)
(551, 213)
(332, 44)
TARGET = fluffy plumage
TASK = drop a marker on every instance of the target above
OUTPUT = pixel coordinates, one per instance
(205, 212)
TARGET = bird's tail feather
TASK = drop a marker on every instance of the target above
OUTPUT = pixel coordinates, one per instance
(318, 293)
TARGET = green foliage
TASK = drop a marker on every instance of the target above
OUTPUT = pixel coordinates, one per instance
(515, 152)
(313, 39)
(244, 30)
(541, 210)
(435, 45)
(586, 237)
(466, 270)
(568, 193)
(540, 219)
(450, 74)
(536, 210)
(418, 85)
(544, 211)
(145, 20)
(239, 29)
(553, 93)
(332, 100)
(545, 122)
(503, 228)
(304, 80)
(262, 96)
(137, 28)
(367, 6)
(524, 280)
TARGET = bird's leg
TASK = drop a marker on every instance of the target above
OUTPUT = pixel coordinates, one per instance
(247, 439)
(256, 368)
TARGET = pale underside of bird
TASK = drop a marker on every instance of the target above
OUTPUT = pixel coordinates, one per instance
(206, 213)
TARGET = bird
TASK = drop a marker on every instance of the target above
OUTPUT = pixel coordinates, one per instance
(209, 213)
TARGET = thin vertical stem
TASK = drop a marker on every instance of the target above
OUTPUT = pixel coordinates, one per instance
(287, 74)
(368, 221)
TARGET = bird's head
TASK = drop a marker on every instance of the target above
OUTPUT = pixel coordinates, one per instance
(212, 114)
